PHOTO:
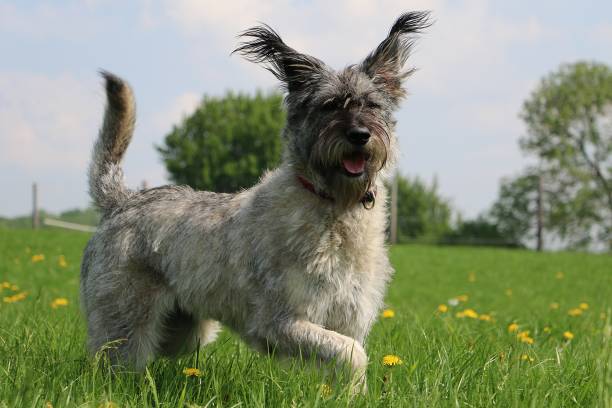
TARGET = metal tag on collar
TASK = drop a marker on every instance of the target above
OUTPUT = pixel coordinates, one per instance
(369, 200)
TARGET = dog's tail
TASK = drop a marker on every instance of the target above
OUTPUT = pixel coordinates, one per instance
(106, 185)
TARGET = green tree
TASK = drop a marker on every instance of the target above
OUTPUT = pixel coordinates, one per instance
(422, 214)
(481, 231)
(569, 122)
(227, 143)
(515, 210)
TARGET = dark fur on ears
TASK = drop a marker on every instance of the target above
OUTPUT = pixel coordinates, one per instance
(293, 69)
(385, 63)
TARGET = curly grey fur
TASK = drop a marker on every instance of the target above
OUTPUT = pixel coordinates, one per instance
(105, 174)
(287, 269)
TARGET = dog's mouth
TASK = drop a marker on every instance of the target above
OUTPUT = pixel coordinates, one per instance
(354, 164)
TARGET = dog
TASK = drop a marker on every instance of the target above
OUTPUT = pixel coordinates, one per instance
(297, 264)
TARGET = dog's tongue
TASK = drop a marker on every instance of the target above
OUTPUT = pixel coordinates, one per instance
(355, 164)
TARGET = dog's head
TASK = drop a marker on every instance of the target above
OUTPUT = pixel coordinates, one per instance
(340, 125)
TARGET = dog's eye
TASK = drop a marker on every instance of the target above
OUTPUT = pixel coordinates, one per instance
(372, 105)
(330, 105)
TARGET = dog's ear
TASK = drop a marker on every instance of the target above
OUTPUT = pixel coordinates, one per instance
(295, 70)
(385, 64)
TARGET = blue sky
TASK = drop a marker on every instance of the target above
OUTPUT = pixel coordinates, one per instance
(460, 123)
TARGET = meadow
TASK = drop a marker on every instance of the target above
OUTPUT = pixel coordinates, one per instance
(463, 326)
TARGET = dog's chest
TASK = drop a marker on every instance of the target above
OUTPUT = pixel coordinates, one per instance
(332, 283)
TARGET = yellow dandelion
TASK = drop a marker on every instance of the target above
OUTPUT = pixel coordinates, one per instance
(575, 312)
(553, 306)
(472, 277)
(583, 306)
(6, 285)
(559, 275)
(568, 335)
(471, 313)
(462, 298)
(524, 337)
(61, 262)
(442, 308)
(192, 372)
(485, 317)
(108, 404)
(527, 357)
(388, 313)
(38, 258)
(391, 360)
(512, 327)
(325, 390)
(48, 404)
(59, 302)
(15, 298)
(547, 330)
(509, 292)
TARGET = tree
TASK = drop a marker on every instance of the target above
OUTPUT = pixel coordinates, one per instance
(514, 213)
(422, 214)
(227, 143)
(481, 231)
(569, 122)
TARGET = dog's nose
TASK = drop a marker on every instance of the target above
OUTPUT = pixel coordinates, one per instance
(358, 135)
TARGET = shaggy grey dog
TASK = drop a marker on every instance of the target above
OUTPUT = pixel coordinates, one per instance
(295, 264)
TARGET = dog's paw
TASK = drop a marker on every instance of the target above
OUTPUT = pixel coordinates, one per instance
(354, 355)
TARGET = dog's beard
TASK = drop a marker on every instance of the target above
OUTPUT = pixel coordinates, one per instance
(338, 163)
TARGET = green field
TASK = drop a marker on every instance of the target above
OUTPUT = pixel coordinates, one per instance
(446, 360)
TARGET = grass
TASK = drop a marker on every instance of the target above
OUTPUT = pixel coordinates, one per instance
(446, 360)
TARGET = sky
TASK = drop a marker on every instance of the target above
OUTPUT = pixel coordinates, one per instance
(476, 65)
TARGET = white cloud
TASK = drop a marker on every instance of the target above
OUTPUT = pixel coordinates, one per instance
(46, 122)
(181, 107)
(602, 33)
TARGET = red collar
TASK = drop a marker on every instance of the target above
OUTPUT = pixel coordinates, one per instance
(310, 187)
(368, 200)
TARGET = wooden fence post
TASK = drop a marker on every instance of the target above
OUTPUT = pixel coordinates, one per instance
(35, 214)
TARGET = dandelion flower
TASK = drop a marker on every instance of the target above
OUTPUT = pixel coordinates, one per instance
(553, 306)
(574, 312)
(15, 298)
(108, 404)
(547, 329)
(391, 360)
(462, 298)
(471, 313)
(524, 337)
(388, 313)
(559, 275)
(325, 390)
(442, 308)
(192, 372)
(61, 262)
(59, 302)
(568, 335)
(485, 317)
(38, 258)
(526, 357)
(583, 306)
(6, 285)
(512, 327)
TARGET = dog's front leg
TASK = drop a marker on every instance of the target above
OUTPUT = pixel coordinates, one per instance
(301, 336)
